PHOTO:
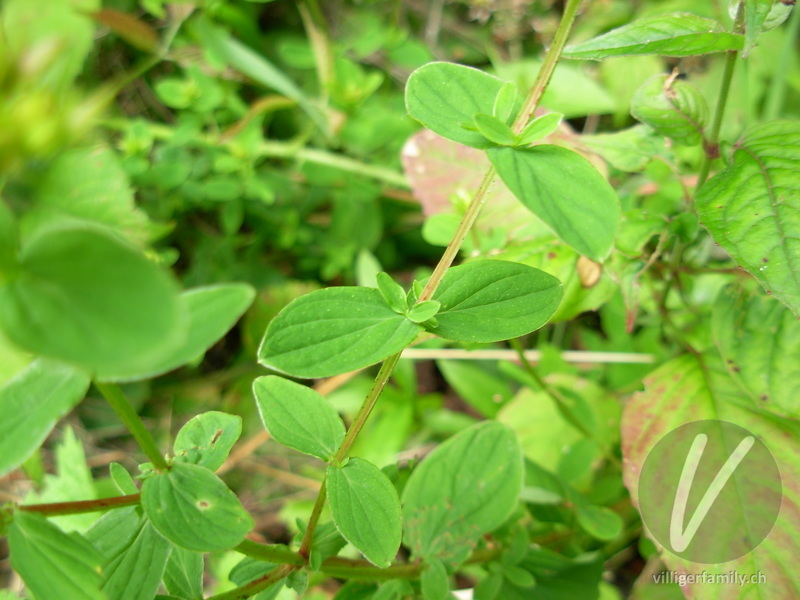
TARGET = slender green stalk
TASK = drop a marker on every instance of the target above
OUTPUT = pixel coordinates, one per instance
(262, 583)
(274, 553)
(313, 521)
(55, 509)
(116, 398)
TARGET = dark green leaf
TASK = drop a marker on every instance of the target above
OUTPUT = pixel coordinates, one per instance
(135, 573)
(32, 403)
(85, 297)
(494, 130)
(675, 34)
(441, 95)
(298, 417)
(334, 331)
(492, 300)
(207, 439)
(366, 509)
(9, 243)
(751, 208)
(462, 490)
(672, 107)
(54, 564)
(194, 509)
(392, 292)
(184, 574)
(565, 191)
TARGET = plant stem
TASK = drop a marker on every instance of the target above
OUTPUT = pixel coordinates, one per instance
(711, 142)
(252, 588)
(54, 509)
(274, 553)
(116, 398)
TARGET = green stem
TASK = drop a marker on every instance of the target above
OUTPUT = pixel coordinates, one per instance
(711, 142)
(262, 583)
(55, 509)
(274, 553)
(116, 398)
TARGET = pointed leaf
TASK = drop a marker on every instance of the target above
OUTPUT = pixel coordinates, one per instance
(462, 490)
(194, 509)
(566, 192)
(366, 509)
(539, 128)
(207, 439)
(674, 108)
(752, 208)
(392, 292)
(135, 573)
(505, 101)
(32, 403)
(675, 34)
(493, 300)
(333, 331)
(184, 574)
(494, 130)
(298, 417)
(441, 95)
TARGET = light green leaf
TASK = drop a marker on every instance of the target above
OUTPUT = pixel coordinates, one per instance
(598, 521)
(207, 439)
(505, 101)
(194, 509)
(183, 576)
(755, 14)
(334, 331)
(366, 509)
(298, 417)
(441, 95)
(493, 300)
(9, 242)
(675, 34)
(759, 340)
(494, 130)
(434, 581)
(565, 191)
(122, 479)
(54, 564)
(211, 312)
(423, 311)
(752, 208)
(135, 572)
(627, 149)
(87, 298)
(393, 293)
(674, 108)
(539, 128)
(465, 488)
(32, 403)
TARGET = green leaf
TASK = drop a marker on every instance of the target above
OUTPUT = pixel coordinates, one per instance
(565, 191)
(675, 34)
(366, 509)
(87, 298)
(505, 101)
(465, 488)
(207, 439)
(494, 130)
(441, 95)
(211, 312)
(672, 107)
(392, 292)
(599, 522)
(539, 128)
(122, 479)
(183, 576)
(54, 564)
(135, 573)
(9, 243)
(435, 582)
(32, 403)
(423, 311)
(333, 331)
(493, 300)
(751, 208)
(194, 509)
(755, 14)
(298, 417)
(759, 341)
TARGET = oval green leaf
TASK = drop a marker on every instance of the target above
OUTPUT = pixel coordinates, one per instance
(493, 300)
(86, 297)
(441, 95)
(675, 34)
(494, 130)
(462, 490)
(674, 108)
(298, 417)
(333, 331)
(599, 522)
(565, 191)
(194, 509)
(365, 509)
(207, 439)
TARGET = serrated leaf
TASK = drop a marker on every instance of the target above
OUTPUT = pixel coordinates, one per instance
(465, 488)
(194, 509)
(494, 130)
(493, 300)
(135, 573)
(423, 311)
(211, 312)
(298, 417)
(333, 331)
(392, 292)
(183, 576)
(441, 95)
(32, 403)
(565, 191)
(207, 439)
(675, 34)
(54, 564)
(752, 208)
(85, 297)
(539, 128)
(366, 509)
(434, 581)
(674, 108)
